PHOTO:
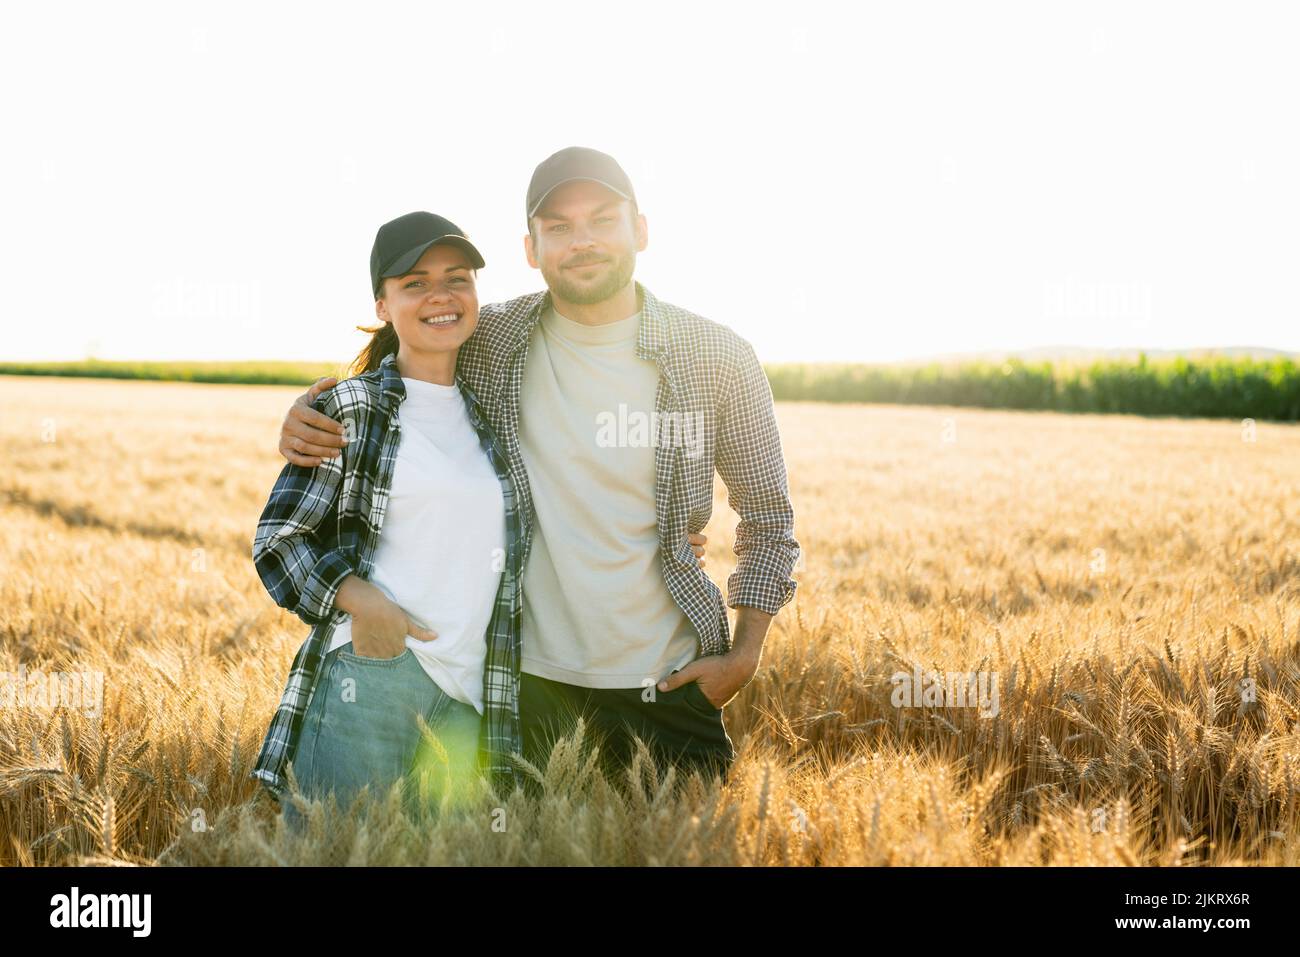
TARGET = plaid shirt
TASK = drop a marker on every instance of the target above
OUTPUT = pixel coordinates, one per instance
(712, 384)
(322, 524)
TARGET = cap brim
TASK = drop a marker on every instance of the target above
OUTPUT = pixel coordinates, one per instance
(573, 179)
(406, 262)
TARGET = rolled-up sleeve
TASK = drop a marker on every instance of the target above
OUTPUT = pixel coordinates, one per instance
(298, 570)
(750, 461)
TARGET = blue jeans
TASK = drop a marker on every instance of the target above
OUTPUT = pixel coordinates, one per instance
(361, 729)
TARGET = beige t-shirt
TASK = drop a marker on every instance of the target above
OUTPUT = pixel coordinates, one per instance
(597, 612)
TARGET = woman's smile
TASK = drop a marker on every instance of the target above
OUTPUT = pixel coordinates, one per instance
(442, 320)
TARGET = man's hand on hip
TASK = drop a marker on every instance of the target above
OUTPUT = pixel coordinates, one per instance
(720, 677)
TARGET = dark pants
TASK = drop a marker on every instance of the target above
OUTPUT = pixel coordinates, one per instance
(680, 727)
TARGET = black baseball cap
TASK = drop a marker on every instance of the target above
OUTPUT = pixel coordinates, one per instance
(576, 162)
(401, 242)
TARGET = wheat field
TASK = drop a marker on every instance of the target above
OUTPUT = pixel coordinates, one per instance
(1133, 585)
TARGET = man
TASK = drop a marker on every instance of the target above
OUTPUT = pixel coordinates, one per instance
(615, 408)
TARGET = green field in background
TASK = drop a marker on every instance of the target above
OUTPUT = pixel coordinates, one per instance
(1227, 387)
(238, 373)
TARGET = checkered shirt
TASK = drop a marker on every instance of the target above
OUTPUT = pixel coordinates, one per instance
(715, 398)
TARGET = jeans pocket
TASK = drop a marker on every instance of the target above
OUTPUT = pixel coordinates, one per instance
(696, 696)
(346, 653)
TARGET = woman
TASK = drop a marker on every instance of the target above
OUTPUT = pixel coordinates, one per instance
(403, 553)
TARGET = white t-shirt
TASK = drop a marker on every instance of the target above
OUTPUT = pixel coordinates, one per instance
(442, 545)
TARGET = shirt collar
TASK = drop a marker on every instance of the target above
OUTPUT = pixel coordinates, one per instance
(390, 380)
(471, 403)
(653, 338)
(392, 388)
(656, 327)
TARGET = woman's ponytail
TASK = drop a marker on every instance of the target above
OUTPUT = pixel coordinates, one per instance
(383, 341)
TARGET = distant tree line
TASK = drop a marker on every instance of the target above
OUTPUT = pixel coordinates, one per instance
(1236, 387)
(1215, 387)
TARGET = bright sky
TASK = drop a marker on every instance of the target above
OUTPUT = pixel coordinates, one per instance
(832, 180)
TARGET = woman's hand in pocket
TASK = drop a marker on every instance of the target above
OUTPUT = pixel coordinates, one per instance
(379, 624)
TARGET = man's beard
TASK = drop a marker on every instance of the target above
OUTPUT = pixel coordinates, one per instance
(584, 295)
